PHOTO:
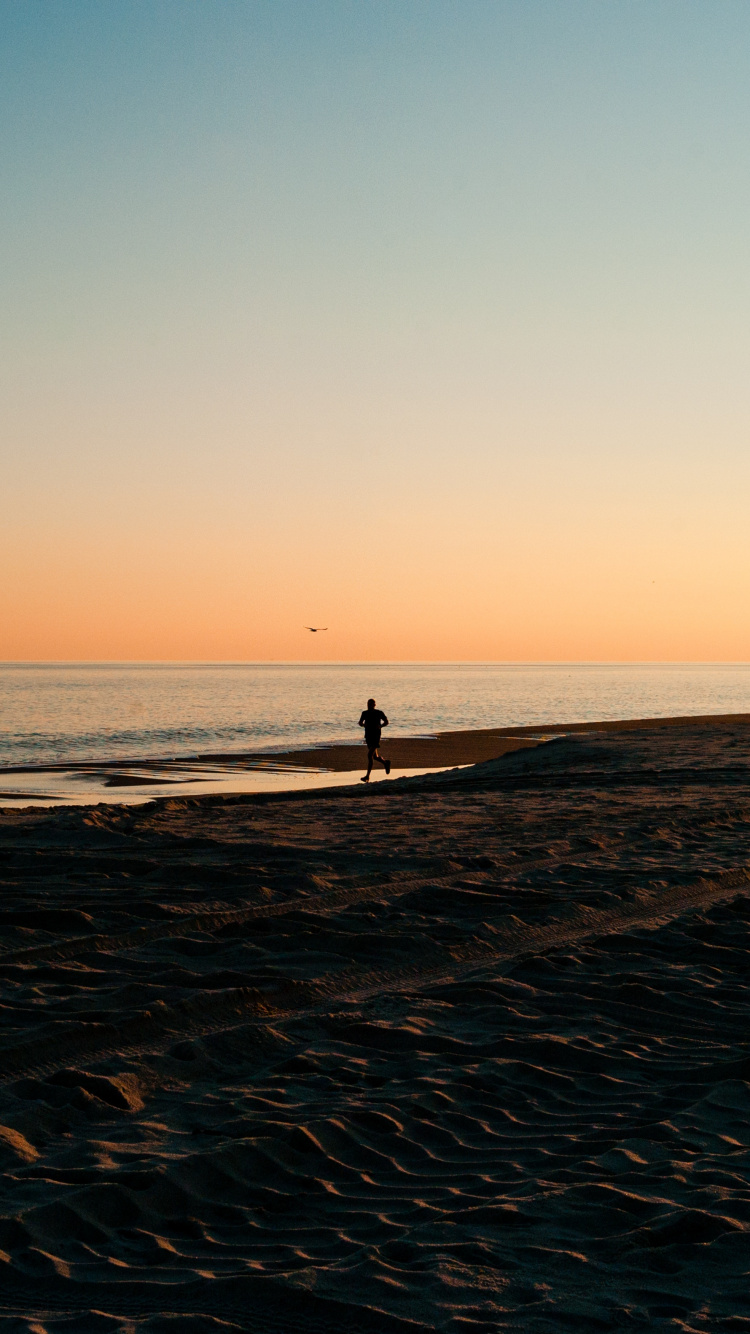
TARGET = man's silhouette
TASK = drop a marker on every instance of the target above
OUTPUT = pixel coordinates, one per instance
(373, 720)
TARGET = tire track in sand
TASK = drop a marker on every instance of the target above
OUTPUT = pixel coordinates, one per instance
(214, 919)
(160, 1027)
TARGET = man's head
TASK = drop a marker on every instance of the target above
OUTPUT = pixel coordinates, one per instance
(371, 703)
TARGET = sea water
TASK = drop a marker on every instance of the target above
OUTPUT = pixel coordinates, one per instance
(70, 713)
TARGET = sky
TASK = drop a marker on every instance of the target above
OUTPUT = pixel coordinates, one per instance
(425, 321)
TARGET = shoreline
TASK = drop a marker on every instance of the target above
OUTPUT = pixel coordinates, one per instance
(439, 750)
(477, 745)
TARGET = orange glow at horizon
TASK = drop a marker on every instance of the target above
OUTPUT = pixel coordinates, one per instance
(462, 581)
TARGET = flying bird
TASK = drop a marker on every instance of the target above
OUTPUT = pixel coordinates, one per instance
(315, 628)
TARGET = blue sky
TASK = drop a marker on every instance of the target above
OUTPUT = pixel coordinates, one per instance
(274, 271)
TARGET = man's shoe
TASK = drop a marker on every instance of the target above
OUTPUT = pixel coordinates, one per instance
(366, 779)
(387, 767)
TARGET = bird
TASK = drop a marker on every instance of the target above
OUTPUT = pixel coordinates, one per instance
(315, 628)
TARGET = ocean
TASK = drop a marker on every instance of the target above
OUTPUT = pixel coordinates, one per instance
(71, 712)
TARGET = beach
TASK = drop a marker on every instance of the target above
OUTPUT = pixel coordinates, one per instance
(469, 746)
(464, 1051)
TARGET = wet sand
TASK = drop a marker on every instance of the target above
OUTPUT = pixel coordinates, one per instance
(255, 771)
(465, 1052)
(226, 772)
(446, 749)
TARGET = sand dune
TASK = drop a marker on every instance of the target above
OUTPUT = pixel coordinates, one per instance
(465, 1052)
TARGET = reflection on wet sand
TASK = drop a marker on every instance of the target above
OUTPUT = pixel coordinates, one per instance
(320, 766)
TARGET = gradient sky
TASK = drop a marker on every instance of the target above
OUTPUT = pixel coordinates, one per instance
(428, 322)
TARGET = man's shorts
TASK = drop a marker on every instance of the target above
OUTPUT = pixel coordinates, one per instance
(372, 741)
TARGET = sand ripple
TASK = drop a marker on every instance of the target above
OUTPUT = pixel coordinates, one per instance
(464, 1055)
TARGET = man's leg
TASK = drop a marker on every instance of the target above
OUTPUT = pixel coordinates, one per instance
(373, 754)
(386, 763)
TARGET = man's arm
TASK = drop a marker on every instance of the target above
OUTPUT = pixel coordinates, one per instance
(383, 719)
(362, 719)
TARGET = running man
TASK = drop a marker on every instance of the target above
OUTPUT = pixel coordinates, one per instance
(373, 720)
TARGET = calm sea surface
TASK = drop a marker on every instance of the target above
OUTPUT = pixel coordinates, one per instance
(60, 713)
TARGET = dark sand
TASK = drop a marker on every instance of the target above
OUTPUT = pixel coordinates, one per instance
(465, 1053)
(454, 748)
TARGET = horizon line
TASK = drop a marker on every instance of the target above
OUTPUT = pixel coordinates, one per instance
(374, 662)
